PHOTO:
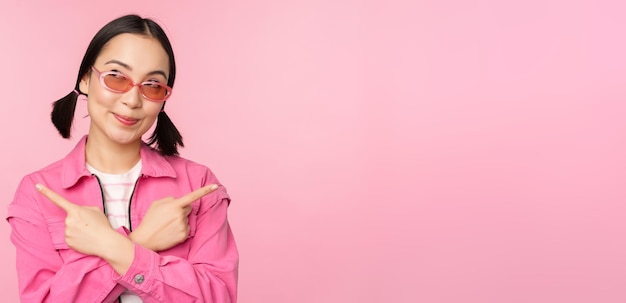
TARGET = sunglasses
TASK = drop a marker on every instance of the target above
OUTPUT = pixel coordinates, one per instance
(119, 83)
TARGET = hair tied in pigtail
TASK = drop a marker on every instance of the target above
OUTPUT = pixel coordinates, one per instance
(166, 137)
(63, 113)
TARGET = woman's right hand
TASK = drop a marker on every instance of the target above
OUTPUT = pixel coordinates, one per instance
(166, 221)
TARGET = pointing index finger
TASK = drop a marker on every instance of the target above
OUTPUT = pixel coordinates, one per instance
(55, 198)
(195, 195)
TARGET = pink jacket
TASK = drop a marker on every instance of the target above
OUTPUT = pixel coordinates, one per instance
(201, 269)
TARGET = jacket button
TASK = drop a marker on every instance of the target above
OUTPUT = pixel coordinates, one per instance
(139, 278)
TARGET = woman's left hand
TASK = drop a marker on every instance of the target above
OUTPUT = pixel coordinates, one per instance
(166, 222)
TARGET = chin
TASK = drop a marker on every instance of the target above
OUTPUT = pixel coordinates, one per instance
(124, 139)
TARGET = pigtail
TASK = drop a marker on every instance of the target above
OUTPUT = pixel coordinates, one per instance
(166, 137)
(63, 113)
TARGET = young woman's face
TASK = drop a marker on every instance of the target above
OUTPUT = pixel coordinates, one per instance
(123, 118)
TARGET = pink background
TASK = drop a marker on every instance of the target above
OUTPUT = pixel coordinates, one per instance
(376, 151)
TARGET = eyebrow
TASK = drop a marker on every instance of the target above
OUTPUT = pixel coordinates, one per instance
(156, 72)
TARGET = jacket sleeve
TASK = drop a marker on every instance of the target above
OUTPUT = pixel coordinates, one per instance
(44, 273)
(209, 274)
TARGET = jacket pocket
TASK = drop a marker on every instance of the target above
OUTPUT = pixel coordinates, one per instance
(193, 220)
(56, 227)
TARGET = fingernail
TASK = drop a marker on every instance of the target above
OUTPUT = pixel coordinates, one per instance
(38, 186)
(213, 187)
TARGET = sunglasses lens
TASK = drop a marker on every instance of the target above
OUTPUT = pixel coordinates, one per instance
(117, 82)
(154, 90)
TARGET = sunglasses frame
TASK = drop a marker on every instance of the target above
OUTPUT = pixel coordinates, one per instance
(101, 76)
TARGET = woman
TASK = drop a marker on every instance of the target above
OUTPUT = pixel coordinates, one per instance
(102, 224)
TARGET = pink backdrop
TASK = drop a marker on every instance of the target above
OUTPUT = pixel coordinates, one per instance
(376, 151)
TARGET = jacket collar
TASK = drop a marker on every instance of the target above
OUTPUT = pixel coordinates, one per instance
(153, 164)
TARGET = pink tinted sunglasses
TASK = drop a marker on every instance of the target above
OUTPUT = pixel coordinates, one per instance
(119, 83)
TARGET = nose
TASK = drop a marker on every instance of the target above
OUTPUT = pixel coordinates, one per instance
(132, 98)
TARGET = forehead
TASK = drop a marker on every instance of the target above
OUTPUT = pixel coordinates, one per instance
(142, 53)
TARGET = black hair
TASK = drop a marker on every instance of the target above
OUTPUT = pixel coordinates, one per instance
(166, 137)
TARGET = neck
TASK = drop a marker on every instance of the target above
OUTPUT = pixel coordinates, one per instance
(110, 157)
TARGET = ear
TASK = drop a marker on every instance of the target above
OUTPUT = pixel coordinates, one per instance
(84, 83)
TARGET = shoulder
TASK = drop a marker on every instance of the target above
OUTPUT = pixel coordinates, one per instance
(182, 173)
(198, 174)
(179, 162)
(51, 172)
(64, 172)
(191, 169)
(158, 164)
(26, 200)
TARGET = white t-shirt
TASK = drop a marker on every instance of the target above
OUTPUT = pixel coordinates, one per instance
(117, 189)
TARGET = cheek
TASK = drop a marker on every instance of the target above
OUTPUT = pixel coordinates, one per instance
(98, 98)
(152, 110)
(93, 105)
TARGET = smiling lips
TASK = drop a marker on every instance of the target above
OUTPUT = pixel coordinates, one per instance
(128, 121)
